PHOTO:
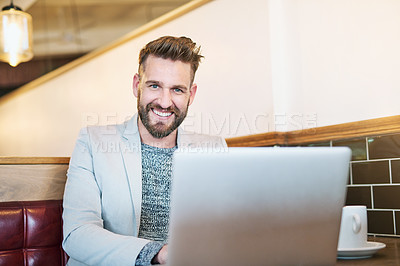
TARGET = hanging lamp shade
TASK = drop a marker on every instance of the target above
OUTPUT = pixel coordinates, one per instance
(15, 35)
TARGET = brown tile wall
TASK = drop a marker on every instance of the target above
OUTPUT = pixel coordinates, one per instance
(375, 181)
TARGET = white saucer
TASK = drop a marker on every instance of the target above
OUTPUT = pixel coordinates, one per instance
(360, 253)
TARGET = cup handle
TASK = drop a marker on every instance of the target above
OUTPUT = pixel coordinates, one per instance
(356, 223)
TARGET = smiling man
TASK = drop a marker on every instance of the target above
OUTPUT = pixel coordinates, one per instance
(117, 201)
(164, 89)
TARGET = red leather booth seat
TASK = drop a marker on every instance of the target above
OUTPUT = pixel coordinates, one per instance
(31, 233)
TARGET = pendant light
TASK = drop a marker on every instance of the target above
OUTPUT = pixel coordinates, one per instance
(15, 35)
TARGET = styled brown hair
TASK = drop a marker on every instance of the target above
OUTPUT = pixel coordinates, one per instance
(174, 48)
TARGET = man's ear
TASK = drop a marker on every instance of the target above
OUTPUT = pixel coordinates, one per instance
(192, 91)
(135, 85)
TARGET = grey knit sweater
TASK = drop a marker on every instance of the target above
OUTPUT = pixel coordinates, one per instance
(156, 188)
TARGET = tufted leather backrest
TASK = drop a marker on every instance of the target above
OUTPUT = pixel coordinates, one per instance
(31, 233)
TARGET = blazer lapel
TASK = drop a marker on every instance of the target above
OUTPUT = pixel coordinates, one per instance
(131, 154)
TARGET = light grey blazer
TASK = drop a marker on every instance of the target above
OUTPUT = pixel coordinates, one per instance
(103, 193)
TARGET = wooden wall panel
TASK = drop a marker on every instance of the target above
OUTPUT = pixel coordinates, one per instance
(32, 182)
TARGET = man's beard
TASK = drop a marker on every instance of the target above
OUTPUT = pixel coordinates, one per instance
(160, 130)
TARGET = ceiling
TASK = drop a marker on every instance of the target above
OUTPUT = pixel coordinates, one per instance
(65, 27)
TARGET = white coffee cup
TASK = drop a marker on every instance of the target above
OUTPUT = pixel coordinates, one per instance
(353, 227)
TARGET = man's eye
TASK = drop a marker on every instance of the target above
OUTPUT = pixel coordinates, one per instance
(176, 90)
(154, 86)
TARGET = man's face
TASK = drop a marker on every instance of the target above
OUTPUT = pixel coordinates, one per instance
(164, 93)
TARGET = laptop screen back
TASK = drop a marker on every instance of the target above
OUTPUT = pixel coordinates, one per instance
(257, 206)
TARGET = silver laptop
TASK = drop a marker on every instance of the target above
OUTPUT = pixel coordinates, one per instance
(257, 206)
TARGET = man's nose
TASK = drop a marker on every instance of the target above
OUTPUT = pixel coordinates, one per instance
(165, 98)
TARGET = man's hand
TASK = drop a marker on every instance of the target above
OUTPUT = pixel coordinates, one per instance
(161, 257)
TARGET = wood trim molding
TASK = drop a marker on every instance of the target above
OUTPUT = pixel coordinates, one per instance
(365, 128)
(265, 139)
(176, 13)
(33, 160)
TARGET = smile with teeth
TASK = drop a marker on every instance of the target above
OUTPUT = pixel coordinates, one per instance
(162, 114)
